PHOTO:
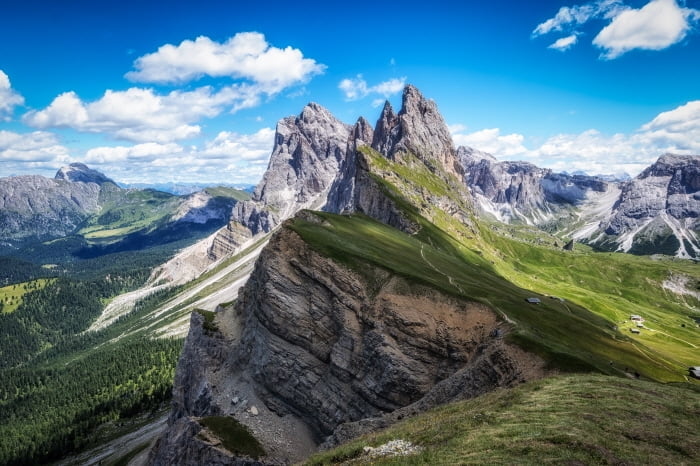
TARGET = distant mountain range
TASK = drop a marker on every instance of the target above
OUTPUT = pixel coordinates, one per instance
(183, 189)
(84, 203)
(656, 212)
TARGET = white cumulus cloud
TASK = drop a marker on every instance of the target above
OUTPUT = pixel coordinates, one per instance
(676, 131)
(247, 55)
(565, 43)
(256, 146)
(146, 152)
(656, 26)
(489, 140)
(9, 98)
(141, 115)
(569, 18)
(356, 88)
(21, 153)
(229, 157)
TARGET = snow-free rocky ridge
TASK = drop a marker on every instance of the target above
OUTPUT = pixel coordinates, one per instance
(312, 343)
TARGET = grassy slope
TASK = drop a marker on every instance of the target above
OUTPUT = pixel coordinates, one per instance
(600, 290)
(575, 419)
(11, 295)
(127, 211)
(226, 192)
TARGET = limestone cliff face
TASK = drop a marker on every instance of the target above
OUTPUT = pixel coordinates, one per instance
(313, 342)
(308, 152)
(35, 207)
(659, 206)
(521, 191)
(418, 129)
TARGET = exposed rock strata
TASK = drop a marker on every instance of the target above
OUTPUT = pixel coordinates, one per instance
(308, 152)
(326, 345)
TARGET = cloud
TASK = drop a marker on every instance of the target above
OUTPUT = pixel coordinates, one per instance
(24, 152)
(357, 88)
(656, 26)
(565, 43)
(676, 131)
(9, 98)
(142, 115)
(569, 18)
(247, 55)
(489, 140)
(229, 157)
(147, 152)
(256, 146)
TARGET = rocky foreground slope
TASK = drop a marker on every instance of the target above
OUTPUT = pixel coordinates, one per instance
(313, 346)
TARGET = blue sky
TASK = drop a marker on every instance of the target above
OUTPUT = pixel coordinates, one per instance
(191, 91)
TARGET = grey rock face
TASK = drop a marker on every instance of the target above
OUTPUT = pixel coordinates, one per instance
(34, 207)
(521, 191)
(80, 173)
(305, 159)
(322, 345)
(661, 203)
(308, 152)
(418, 129)
(385, 131)
(341, 197)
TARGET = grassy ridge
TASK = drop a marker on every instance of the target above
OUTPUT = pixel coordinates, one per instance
(584, 330)
(570, 336)
(575, 419)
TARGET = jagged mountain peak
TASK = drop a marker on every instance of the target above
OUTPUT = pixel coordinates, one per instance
(667, 164)
(81, 173)
(466, 154)
(382, 140)
(418, 129)
(313, 111)
(362, 131)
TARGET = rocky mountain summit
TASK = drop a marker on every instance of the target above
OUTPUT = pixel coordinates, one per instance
(418, 129)
(81, 173)
(38, 208)
(657, 211)
(80, 200)
(314, 159)
(305, 160)
(521, 191)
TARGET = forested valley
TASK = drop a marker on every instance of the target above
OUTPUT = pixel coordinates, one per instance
(59, 382)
